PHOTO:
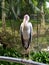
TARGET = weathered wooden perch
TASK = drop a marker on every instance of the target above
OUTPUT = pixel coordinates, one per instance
(18, 60)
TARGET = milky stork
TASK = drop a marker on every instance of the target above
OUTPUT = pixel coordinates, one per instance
(26, 32)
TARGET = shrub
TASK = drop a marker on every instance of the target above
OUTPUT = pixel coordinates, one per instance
(40, 56)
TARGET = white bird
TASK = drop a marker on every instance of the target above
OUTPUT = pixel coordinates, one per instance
(26, 32)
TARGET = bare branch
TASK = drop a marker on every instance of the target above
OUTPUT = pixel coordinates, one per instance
(18, 60)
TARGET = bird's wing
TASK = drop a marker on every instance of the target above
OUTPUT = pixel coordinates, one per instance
(31, 31)
(21, 33)
(30, 37)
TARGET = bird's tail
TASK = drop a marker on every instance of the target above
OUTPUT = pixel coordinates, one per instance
(26, 45)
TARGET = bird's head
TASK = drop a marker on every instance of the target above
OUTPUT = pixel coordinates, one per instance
(25, 21)
(26, 18)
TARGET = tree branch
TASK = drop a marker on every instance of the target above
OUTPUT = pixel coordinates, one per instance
(18, 60)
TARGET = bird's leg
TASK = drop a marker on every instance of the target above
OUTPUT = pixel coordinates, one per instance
(29, 52)
(26, 55)
(29, 55)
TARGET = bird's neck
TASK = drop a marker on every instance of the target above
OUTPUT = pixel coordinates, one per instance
(25, 24)
(25, 21)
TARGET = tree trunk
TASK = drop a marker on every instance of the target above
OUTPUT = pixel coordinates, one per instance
(42, 17)
(18, 7)
(3, 17)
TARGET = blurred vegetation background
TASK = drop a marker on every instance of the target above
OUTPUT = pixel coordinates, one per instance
(11, 16)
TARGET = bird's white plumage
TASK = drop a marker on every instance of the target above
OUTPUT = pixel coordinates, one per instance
(26, 31)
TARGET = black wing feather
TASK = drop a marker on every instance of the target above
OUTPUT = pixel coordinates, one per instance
(22, 40)
(30, 38)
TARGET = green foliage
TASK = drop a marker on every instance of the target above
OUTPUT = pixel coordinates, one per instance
(14, 24)
(40, 57)
(11, 53)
